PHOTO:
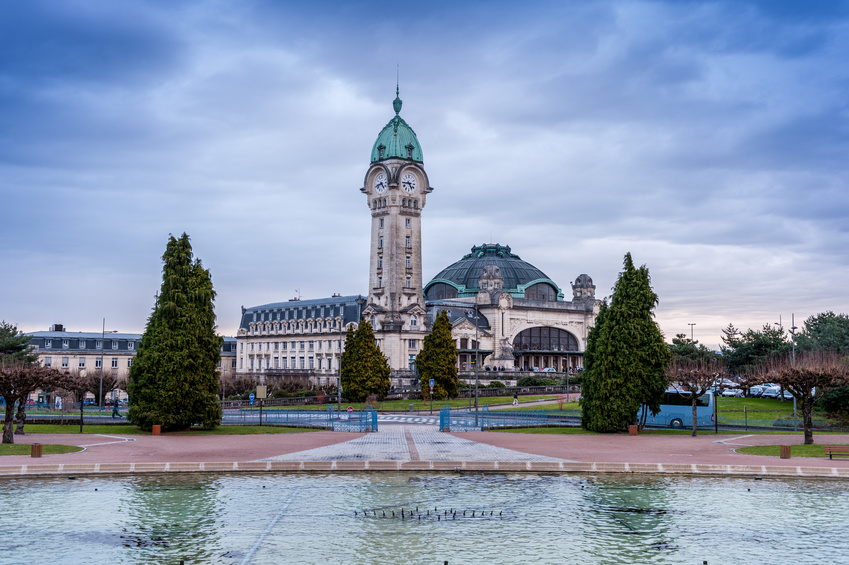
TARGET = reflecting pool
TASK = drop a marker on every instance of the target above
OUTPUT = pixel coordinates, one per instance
(427, 518)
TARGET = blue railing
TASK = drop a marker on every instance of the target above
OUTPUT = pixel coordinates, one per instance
(355, 421)
(465, 421)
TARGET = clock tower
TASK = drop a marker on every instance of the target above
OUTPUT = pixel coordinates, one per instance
(396, 187)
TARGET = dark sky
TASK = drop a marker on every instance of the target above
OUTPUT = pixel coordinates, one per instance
(709, 139)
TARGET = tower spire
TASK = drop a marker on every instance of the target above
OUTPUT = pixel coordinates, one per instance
(396, 104)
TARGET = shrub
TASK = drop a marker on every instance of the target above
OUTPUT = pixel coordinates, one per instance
(495, 384)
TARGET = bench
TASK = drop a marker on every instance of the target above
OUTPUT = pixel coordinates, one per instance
(836, 450)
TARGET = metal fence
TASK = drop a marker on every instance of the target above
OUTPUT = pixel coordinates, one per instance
(355, 421)
(466, 421)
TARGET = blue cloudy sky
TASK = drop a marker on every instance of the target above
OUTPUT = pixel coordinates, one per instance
(709, 139)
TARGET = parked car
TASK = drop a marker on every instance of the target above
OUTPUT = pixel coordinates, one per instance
(549, 370)
(735, 392)
(771, 392)
(756, 391)
(787, 395)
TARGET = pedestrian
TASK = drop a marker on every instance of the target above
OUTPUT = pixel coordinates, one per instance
(515, 399)
(115, 413)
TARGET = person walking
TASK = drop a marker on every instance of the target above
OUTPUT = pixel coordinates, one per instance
(515, 399)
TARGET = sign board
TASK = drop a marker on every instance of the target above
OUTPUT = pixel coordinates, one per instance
(431, 383)
(261, 391)
(350, 409)
(252, 396)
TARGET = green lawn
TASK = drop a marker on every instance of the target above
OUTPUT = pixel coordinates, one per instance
(795, 450)
(403, 405)
(46, 449)
(129, 429)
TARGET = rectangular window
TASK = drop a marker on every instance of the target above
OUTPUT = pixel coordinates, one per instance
(412, 344)
(409, 282)
(97, 363)
(302, 362)
(131, 345)
(252, 363)
(312, 344)
(242, 347)
(409, 262)
(276, 363)
(82, 362)
(285, 346)
(379, 282)
(114, 344)
(82, 344)
(408, 222)
(283, 361)
(380, 243)
(312, 363)
(98, 344)
(64, 362)
(64, 344)
(114, 362)
(276, 346)
(48, 361)
(319, 344)
(129, 362)
(48, 343)
(302, 348)
(219, 363)
(381, 222)
(232, 365)
(252, 347)
(380, 262)
(408, 242)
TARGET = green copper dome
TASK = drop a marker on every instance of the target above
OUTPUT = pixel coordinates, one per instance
(397, 139)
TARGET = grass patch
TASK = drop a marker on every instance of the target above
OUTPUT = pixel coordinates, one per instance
(403, 405)
(46, 449)
(555, 430)
(242, 431)
(775, 450)
(107, 429)
(129, 429)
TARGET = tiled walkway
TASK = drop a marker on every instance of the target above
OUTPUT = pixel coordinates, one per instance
(391, 444)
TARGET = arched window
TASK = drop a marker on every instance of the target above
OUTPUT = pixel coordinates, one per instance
(541, 291)
(441, 291)
(544, 339)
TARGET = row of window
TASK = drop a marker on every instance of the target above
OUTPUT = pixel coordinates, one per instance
(301, 326)
(303, 313)
(408, 243)
(82, 343)
(285, 363)
(406, 220)
(284, 345)
(48, 362)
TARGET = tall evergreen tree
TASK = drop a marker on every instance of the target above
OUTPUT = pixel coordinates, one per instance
(174, 376)
(365, 370)
(438, 360)
(626, 357)
(14, 346)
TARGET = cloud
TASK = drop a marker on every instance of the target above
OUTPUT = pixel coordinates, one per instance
(707, 138)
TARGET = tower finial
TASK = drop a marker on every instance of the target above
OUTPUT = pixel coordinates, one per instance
(396, 104)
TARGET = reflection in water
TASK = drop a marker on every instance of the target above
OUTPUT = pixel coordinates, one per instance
(429, 518)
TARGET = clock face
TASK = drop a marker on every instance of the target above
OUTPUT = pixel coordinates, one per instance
(408, 181)
(380, 183)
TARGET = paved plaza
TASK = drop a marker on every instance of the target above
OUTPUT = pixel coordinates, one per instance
(410, 443)
(402, 444)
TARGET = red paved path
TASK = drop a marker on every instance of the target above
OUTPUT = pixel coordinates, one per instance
(645, 448)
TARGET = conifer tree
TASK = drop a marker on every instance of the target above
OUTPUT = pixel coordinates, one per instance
(174, 376)
(438, 361)
(626, 356)
(365, 370)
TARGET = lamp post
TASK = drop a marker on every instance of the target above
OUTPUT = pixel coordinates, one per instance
(793, 329)
(691, 330)
(102, 345)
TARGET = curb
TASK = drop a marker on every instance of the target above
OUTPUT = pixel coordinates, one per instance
(418, 466)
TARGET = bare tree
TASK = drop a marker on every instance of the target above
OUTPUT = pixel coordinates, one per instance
(16, 382)
(110, 383)
(811, 370)
(692, 378)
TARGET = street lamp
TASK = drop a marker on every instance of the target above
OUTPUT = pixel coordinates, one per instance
(102, 345)
(691, 330)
